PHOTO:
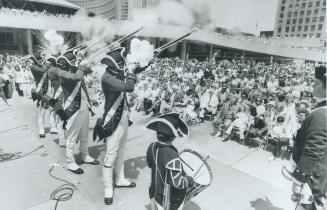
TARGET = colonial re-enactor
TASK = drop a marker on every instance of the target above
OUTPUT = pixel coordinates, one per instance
(310, 148)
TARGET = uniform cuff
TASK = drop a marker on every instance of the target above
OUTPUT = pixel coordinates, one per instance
(300, 176)
(131, 76)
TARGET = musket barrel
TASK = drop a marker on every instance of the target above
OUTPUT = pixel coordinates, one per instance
(165, 46)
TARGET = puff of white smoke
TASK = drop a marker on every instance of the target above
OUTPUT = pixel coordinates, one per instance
(173, 12)
(98, 70)
(177, 12)
(141, 52)
(145, 17)
(55, 42)
(53, 37)
(97, 30)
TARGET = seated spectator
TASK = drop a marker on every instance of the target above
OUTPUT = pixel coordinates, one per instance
(279, 135)
(241, 122)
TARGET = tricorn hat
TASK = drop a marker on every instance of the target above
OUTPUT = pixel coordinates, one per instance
(170, 124)
(67, 59)
(51, 59)
(115, 60)
(36, 58)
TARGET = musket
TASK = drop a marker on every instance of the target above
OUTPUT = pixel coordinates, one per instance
(121, 40)
(175, 41)
(158, 50)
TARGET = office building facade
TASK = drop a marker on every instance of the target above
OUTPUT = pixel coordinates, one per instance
(105, 8)
(301, 18)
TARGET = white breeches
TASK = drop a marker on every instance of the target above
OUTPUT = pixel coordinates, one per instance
(77, 129)
(42, 119)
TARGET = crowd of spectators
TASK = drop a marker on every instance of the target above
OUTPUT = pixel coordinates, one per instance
(15, 75)
(253, 100)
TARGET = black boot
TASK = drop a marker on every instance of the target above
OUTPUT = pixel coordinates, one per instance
(108, 201)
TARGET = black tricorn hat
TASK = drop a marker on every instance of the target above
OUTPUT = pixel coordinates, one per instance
(320, 72)
(67, 59)
(51, 59)
(36, 58)
(170, 124)
(115, 59)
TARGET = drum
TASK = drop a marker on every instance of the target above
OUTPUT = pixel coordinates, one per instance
(197, 167)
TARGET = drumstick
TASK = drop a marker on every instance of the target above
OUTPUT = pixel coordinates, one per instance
(197, 171)
(186, 164)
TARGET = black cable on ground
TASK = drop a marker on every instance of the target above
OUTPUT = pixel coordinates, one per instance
(14, 156)
(62, 193)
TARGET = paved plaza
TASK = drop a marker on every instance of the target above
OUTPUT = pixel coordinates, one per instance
(243, 178)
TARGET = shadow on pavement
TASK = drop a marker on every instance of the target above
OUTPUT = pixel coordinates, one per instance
(189, 206)
(261, 204)
(95, 151)
(133, 166)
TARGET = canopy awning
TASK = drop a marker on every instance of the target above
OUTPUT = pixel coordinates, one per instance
(62, 3)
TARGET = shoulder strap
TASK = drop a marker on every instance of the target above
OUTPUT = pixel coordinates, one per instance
(174, 165)
(155, 157)
(39, 86)
(114, 108)
(59, 91)
(72, 95)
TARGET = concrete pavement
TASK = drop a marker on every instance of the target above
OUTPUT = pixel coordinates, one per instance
(244, 179)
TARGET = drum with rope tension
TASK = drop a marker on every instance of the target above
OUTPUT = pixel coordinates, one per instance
(197, 167)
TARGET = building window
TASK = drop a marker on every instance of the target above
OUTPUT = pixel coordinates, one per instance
(297, 6)
(289, 14)
(304, 35)
(321, 19)
(317, 3)
(303, 5)
(280, 21)
(316, 11)
(307, 20)
(294, 21)
(283, 1)
(279, 30)
(310, 4)
(323, 10)
(318, 35)
(290, 6)
(293, 29)
(313, 27)
(300, 21)
(299, 29)
(287, 29)
(295, 14)
(281, 15)
(288, 22)
(306, 28)
(320, 27)
(282, 8)
(314, 19)
(324, 3)
(311, 35)
(7, 41)
(298, 35)
(291, 35)
(302, 13)
(309, 12)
